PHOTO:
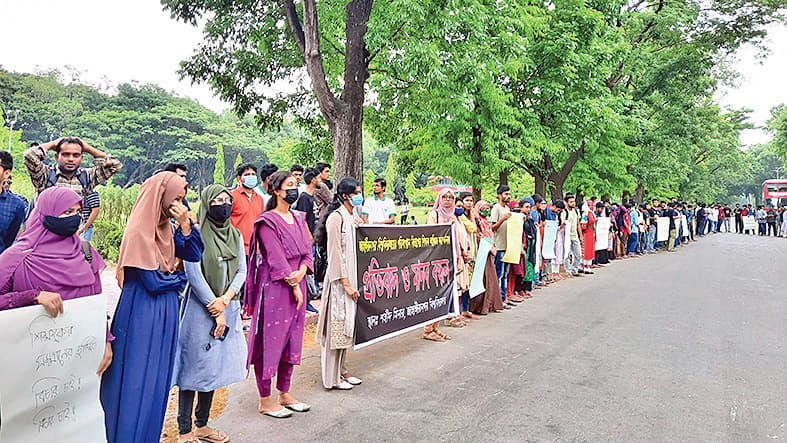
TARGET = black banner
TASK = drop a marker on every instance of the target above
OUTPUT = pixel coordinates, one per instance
(405, 277)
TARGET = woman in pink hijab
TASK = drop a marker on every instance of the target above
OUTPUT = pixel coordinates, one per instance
(48, 264)
(443, 212)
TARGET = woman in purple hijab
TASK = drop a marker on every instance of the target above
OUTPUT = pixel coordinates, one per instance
(274, 293)
(48, 265)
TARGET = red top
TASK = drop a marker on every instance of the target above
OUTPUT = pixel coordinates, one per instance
(246, 208)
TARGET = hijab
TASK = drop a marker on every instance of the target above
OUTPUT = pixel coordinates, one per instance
(444, 215)
(483, 223)
(44, 260)
(221, 243)
(148, 242)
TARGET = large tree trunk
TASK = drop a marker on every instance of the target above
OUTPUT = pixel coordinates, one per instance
(558, 178)
(639, 193)
(503, 177)
(344, 114)
(475, 163)
(347, 134)
(540, 184)
(557, 190)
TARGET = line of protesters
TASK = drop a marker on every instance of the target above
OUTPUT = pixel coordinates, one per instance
(260, 249)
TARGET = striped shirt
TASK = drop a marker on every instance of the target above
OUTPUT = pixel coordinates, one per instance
(92, 200)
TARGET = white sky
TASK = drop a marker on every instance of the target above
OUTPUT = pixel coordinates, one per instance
(124, 40)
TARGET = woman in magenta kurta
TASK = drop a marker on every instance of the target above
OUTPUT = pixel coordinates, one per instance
(274, 293)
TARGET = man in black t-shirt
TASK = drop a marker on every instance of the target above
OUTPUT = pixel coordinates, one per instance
(673, 232)
(305, 204)
(738, 218)
(726, 212)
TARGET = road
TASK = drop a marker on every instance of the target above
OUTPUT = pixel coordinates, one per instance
(687, 346)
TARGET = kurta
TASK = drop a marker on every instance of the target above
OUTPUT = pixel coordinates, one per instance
(589, 234)
(204, 363)
(336, 324)
(134, 389)
(277, 322)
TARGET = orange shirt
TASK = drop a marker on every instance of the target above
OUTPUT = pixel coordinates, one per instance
(245, 211)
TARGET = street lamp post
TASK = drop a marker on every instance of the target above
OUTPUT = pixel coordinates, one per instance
(11, 121)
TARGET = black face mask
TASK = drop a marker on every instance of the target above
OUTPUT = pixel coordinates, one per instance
(292, 195)
(63, 226)
(220, 213)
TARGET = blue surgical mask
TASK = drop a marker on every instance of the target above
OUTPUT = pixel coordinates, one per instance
(459, 211)
(356, 200)
(250, 181)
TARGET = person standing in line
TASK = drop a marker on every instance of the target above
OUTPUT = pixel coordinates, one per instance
(297, 172)
(379, 210)
(247, 205)
(499, 220)
(738, 212)
(491, 300)
(762, 220)
(405, 211)
(572, 266)
(673, 232)
(771, 219)
(275, 288)
(467, 220)
(207, 361)
(634, 235)
(12, 209)
(306, 205)
(588, 226)
(336, 324)
(49, 264)
(713, 219)
(262, 189)
(134, 389)
(323, 195)
(727, 214)
(444, 211)
(559, 208)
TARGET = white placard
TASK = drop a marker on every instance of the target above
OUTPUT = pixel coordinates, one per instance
(550, 235)
(750, 224)
(48, 382)
(602, 233)
(662, 229)
(684, 224)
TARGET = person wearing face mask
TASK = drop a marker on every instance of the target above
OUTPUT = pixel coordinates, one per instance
(281, 242)
(211, 344)
(135, 387)
(49, 264)
(490, 300)
(336, 325)
(247, 205)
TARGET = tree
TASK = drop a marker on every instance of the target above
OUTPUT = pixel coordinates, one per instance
(219, 168)
(246, 45)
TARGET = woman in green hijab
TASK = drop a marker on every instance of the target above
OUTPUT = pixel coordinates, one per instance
(211, 347)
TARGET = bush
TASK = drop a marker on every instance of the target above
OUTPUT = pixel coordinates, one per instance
(116, 205)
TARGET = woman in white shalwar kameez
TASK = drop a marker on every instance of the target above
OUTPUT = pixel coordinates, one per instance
(336, 325)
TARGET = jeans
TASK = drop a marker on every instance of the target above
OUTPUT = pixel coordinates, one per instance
(727, 224)
(502, 272)
(701, 227)
(651, 238)
(576, 257)
(186, 402)
(633, 240)
(88, 234)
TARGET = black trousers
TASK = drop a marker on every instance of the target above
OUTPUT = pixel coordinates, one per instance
(186, 403)
(739, 225)
(403, 220)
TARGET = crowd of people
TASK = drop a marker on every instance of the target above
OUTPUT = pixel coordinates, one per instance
(263, 251)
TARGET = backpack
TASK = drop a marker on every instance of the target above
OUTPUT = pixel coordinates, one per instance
(82, 176)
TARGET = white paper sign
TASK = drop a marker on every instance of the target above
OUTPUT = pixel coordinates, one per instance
(602, 233)
(684, 224)
(749, 223)
(550, 235)
(662, 229)
(48, 382)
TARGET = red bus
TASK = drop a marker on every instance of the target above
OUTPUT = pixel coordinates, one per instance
(774, 192)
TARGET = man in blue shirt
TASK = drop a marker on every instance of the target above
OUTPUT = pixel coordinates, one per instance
(12, 209)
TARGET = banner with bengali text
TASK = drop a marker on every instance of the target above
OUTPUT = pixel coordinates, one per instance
(48, 381)
(406, 277)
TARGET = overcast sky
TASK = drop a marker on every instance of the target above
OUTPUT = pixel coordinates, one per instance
(124, 40)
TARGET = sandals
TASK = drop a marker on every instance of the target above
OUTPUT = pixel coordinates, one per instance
(441, 334)
(433, 336)
(214, 437)
(456, 322)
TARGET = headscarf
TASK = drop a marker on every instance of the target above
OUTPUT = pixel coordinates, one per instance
(148, 242)
(221, 243)
(483, 222)
(44, 260)
(531, 201)
(444, 215)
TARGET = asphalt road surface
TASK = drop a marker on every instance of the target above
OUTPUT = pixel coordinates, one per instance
(676, 347)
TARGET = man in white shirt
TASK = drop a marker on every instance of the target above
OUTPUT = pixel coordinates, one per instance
(378, 209)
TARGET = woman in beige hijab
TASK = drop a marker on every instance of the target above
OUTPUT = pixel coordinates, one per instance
(145, 323)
